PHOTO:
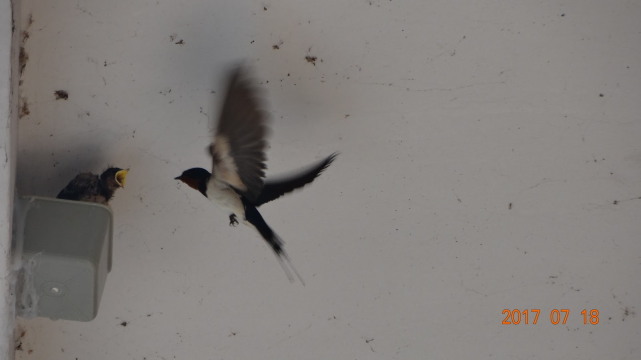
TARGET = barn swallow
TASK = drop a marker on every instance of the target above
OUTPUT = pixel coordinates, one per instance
(238, 152)
(93, 188)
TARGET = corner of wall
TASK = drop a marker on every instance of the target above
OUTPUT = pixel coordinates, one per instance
(9, 49)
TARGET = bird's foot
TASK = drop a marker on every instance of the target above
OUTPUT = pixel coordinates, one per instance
(233, 221)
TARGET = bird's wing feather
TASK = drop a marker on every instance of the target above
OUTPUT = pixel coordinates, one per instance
(273, 189)
(238, 149)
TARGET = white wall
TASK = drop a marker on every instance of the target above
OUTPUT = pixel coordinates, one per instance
(490, 160)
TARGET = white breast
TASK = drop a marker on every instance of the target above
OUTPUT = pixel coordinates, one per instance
(225, 197)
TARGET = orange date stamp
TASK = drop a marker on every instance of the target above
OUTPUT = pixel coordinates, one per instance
(555, 316)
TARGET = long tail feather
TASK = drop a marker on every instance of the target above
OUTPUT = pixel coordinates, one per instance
(286, 263)
(253, 217)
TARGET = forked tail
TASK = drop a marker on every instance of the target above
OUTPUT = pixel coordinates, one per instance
(286, 263)
(253, 217)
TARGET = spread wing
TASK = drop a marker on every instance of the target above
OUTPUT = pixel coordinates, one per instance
(238, 150)
(273, 189)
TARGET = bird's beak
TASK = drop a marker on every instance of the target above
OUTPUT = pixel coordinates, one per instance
(121, 176)
(178, 177)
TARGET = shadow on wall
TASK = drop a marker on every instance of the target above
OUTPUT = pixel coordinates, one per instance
(45, 173)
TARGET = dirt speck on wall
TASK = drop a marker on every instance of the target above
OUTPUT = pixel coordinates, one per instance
(61, 95)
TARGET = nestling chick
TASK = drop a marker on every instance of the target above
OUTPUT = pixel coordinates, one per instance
(93, 188)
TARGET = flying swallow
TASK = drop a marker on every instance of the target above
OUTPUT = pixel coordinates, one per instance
(93, 188)
(238, 152)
